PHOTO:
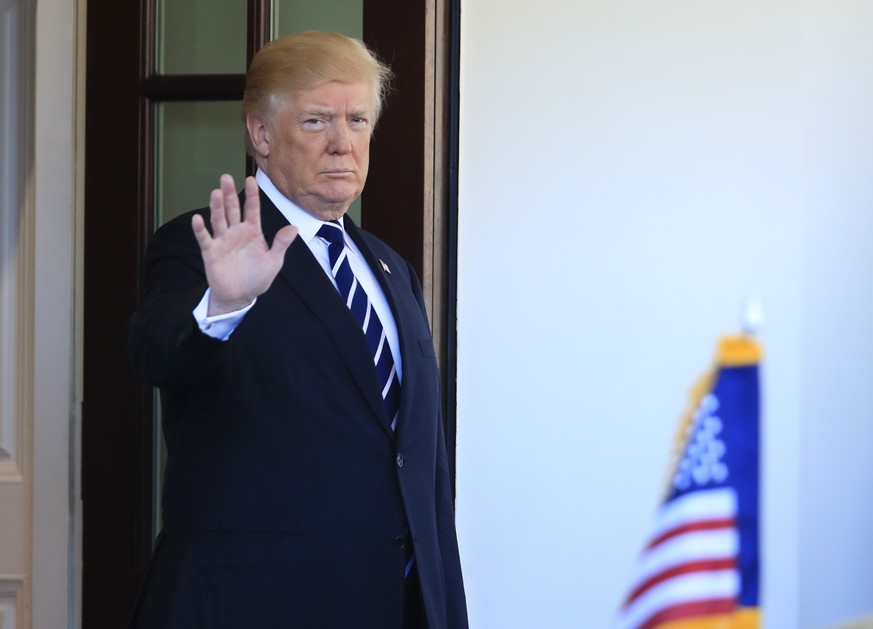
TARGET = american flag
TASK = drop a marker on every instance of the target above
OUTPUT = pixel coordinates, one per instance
(699, 569)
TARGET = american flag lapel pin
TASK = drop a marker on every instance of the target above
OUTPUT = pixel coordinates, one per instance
(384, 266)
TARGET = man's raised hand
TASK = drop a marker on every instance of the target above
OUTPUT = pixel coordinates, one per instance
(239, 264)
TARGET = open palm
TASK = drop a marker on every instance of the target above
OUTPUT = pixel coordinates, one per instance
(239, 264)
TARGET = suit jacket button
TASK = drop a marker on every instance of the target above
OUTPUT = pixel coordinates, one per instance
(399, 460)
(399, 542)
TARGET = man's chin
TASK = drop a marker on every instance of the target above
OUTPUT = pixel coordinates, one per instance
(328, 209)
(340, 197)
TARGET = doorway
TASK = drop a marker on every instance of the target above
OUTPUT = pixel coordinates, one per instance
(162, 121)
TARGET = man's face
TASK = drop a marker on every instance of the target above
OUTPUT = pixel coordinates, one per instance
(316, 146)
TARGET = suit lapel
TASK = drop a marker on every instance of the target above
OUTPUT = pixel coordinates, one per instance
(304, 275)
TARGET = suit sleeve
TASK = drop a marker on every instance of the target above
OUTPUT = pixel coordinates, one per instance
(163, 341)
(456, 602)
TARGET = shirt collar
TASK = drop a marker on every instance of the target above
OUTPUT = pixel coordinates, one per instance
(307, 225)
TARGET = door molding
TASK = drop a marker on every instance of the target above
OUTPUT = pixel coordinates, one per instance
(16, 308)
(40, 254)
(57, 204)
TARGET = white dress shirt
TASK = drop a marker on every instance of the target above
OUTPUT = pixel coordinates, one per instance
(222, 326)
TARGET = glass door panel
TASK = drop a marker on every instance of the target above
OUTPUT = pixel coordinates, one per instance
(195, 143)
(342, 16)
(201, 37)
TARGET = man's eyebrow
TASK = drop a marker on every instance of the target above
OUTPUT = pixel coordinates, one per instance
(317, 111)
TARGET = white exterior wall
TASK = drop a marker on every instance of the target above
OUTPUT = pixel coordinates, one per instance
(630, 171)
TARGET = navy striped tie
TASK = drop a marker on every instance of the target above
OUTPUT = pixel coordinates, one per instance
(359, 303)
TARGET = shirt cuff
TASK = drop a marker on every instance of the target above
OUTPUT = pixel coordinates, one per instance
(219, 326)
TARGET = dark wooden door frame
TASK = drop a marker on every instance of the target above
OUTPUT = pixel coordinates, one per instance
(424, 97)
(409, 171)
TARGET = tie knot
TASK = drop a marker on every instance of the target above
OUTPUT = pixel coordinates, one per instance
(332, 232)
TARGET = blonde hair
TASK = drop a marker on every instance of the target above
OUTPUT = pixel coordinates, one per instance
(304, 60)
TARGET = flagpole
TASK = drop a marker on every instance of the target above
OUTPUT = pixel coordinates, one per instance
(752, 315)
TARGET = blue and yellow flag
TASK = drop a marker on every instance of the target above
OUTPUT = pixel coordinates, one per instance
(700, 568)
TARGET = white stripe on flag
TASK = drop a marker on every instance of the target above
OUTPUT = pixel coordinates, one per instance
(686, 548)
(695, 506)
(680, 590)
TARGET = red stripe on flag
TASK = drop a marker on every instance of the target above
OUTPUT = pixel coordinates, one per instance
(700, 525)
(712, 607)
(705, 565)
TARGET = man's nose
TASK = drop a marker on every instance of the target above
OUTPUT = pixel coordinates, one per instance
(339, 139)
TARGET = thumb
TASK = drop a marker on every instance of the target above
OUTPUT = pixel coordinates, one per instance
(283, 239)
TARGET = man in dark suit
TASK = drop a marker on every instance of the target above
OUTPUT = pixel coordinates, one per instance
(307, 480)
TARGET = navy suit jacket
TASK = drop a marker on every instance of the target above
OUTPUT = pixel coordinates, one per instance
(288, 500)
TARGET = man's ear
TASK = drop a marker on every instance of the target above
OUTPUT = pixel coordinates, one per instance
(259, 135)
